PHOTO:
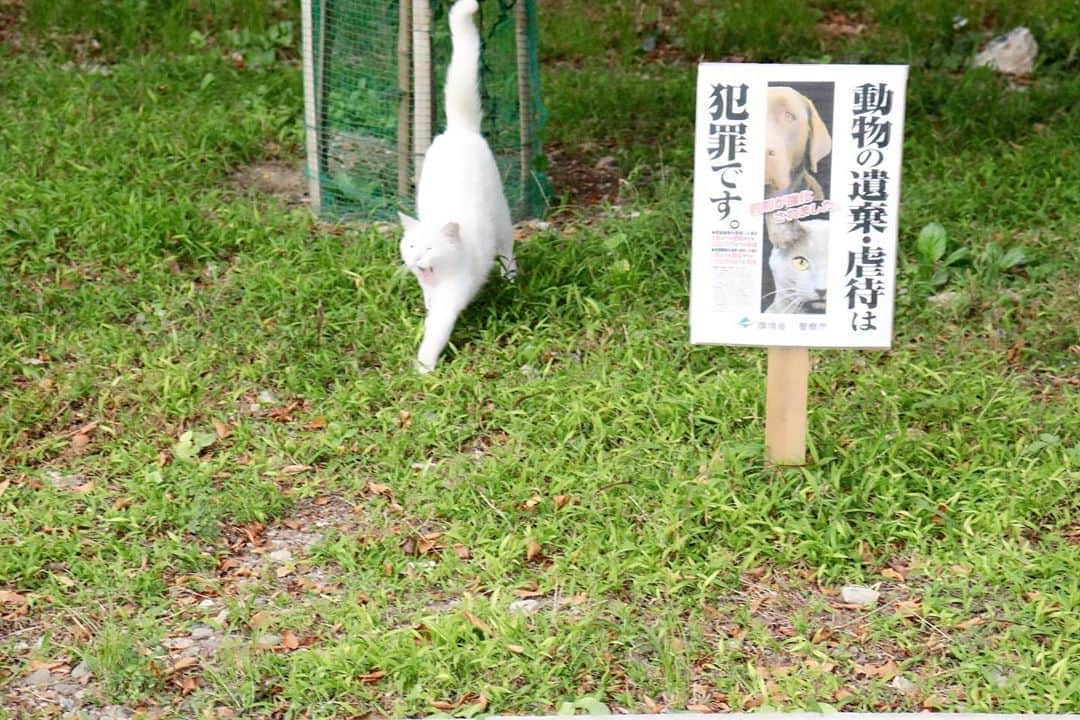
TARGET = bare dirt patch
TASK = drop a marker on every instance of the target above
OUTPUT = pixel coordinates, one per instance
(282, 180)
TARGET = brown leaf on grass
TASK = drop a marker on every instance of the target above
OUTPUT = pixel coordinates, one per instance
(289, 641)
(4, 486)
(885, 671)
(123, 503)
(462, 551)
(284, 571)
(704, 709)
(843, 694)
(186, 684)
(909, 608)
(182, 664)
(892, 574)
(654, 707)
(478, 623)
(516, 649)
(80, 442)
(404, 419)
(316, 423)
(84, 488)
(372, 677)
(821, 635)
(531, 504)
(528, 590)
(532, 550)
(295, 469)
(1012, 355)
(260, 619)
(934, 702)
(822, 665)
(374, 488)
(221, 429)
(561, 501)
(969, 623)
(9, 597)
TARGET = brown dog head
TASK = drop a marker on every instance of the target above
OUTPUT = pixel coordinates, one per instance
(796, 138)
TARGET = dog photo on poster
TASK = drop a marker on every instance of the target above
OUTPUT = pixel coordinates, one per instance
(796, 188)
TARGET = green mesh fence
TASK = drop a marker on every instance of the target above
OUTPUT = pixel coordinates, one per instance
(361, 93)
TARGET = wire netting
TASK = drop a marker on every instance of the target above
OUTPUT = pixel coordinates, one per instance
(363, 96)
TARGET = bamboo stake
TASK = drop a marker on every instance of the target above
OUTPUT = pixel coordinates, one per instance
(312, 130)
(421, 24)
(521, 22)
(785, 405)
(405, 100)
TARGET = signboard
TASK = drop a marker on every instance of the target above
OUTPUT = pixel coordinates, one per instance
(796, 190)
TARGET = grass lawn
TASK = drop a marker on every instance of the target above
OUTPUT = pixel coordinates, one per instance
(224, 493)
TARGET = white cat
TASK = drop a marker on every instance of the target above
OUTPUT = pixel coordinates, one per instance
(464, 219)
(799, 262)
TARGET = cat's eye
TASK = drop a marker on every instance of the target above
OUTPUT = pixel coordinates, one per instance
(800, 263)
(790, 117)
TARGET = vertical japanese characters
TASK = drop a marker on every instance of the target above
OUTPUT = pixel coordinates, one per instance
(727, 141)
(871, 188)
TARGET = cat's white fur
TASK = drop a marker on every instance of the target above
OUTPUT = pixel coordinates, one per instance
(464, 219)
(799, 262)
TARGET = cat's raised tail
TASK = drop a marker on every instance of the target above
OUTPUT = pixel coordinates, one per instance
(463, 110)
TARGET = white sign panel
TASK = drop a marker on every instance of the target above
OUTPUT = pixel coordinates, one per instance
(796, 190)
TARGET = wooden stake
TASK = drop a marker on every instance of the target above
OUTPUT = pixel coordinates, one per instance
(421, 24)
(521, 21)
(785, 405)
(405, 100)
(312, 129)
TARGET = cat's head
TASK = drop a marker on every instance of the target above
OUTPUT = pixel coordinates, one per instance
(800, 265)
(430, 251)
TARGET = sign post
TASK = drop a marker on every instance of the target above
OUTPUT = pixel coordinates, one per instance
(785, 405)
(796, 189)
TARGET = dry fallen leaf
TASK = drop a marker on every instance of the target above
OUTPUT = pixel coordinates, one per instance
(372, 677)
(284, 571)
(4, 486)
(532, 550)
(532, 503)
(84, 488)
(182, 664)
(259, 619)
(561, 501)
(892, 575)
(516, 649)
(289, 640)
(885, 671)
(374, 488)
(843, 694)
(969, 623)
(462, 552)
(316, 423)
(295, 469)
(705, 709)
(221, 429)
(529, 590)
(908, 608)
(478, 623)
(9, 597)
(404, 419)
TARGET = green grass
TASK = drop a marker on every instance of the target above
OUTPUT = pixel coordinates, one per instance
(572, 446)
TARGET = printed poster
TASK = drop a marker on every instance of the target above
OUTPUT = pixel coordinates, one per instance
(796, 198)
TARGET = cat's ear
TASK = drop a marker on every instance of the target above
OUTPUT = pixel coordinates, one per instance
(452, 231)
(407, 222)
